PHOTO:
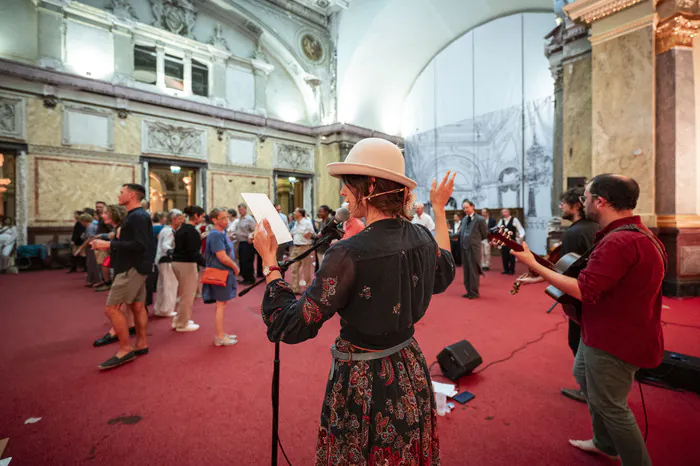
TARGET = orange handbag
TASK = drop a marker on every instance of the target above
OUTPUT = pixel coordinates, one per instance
(214, 276)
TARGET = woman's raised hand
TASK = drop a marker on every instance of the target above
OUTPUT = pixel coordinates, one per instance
(440, 194)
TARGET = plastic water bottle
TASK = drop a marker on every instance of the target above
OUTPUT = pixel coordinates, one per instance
(441, 401)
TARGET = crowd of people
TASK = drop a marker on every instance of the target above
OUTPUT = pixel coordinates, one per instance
(380, 278)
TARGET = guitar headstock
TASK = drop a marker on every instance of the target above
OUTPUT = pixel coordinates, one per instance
(503, 238)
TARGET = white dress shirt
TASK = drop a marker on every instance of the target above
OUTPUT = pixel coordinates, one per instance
(516, 223)
(301, 228)
(424, 220)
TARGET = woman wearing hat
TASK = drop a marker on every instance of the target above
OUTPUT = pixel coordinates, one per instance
(379, 404)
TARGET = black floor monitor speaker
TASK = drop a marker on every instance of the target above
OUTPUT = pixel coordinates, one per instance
(458, 360)
(676, 370)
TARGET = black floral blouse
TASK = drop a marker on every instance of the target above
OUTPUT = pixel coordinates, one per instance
(380, 282)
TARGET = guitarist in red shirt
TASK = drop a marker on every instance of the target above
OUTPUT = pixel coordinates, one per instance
(620, 291)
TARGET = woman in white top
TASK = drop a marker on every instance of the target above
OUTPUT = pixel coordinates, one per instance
(166, 294)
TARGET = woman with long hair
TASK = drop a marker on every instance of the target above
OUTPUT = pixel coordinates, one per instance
(219, 255)
(379, 406)
(186, 256)
(166, 291)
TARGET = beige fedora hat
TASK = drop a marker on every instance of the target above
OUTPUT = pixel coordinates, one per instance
(374, 157)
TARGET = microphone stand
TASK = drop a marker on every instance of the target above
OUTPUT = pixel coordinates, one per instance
(284, 265)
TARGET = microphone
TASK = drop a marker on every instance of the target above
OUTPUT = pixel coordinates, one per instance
(333, 229)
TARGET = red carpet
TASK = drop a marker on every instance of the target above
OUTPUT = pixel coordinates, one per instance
(201, 405)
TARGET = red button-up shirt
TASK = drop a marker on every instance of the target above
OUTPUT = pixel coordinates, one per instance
(621, 294)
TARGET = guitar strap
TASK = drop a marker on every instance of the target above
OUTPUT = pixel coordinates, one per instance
(628, 227)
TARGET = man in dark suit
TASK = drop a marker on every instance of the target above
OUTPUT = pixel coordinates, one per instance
(486, 254)
(472, 232)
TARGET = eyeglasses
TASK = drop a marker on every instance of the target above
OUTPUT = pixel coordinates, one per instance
(582, 199)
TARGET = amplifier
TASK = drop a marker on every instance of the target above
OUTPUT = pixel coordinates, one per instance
(458, 360)
(676, 370)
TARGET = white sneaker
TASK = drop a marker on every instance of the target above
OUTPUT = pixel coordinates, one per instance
(226, 341)
(233, 337)
(191, 327)
(173, 325)
(168, 314)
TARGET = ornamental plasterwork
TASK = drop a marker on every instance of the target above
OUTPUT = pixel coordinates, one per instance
(293, 157)
(593, 10)
(218, 40)
(12, 117)
(167, 139)
(122, 9)
(677, 31)
(176, 16)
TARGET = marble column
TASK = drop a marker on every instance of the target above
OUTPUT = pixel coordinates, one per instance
(160, 67)
(51, 30)
(218, 88)
(22, 198)
(677, 161)
(558, 149)
(123, 55)
(187, 78)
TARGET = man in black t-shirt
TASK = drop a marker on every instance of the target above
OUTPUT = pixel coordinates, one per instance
(578, 239)
(132, 260)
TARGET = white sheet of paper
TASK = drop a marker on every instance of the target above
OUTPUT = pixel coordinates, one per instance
(261, 207)
(5, 461)
(32, 420)
(446, 389)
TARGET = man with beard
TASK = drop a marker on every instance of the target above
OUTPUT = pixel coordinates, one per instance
(620, 292)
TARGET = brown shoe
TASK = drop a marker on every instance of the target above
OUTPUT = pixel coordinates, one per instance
(574, 394)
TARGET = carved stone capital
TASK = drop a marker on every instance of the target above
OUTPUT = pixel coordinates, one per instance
(677, 31)
(589, 11)
(262, 67)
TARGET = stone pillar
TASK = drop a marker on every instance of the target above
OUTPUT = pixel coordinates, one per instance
(22, 198)
(51, 40)
(187, 84)
(160, 66)
(261, 70)
(558, 149)
(677, 161)
(123, 55)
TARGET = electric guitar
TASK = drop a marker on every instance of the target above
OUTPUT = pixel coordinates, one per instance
(570, 265)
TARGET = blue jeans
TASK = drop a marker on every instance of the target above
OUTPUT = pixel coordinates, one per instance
(606, 381)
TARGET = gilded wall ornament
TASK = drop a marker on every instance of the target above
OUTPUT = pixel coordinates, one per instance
(677, 31)
(312, 48)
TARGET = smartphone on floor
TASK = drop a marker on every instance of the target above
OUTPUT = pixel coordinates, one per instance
(464, 397)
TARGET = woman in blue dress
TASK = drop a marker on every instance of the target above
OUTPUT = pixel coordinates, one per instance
(219, 255)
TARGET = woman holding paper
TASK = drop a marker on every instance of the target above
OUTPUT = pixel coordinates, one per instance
(379, 404)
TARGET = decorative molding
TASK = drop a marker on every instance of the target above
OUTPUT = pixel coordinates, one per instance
(69, 109)
(293, 157)
(177, 140)
(594, 10)
(678, 221)
(628, 28)
(218, 40)
(122, 9)
(13, 122)
(677, 31)
(176, 16)
(83, 154)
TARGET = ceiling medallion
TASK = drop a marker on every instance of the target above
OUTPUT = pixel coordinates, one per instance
(312, 48)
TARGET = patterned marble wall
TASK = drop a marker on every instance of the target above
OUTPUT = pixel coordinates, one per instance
(623, 111)
(577, 106)
(226, 188)
(127, 135)
(43, 124)
(62, 185)
(327, 187)
(216, 150)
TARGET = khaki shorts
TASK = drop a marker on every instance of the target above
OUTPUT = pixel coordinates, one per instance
(129, 287)
(100, 256)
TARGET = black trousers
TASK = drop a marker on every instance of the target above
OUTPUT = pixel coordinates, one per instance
(508, 260)
(246, 257)
(574, 336)
(151, 285)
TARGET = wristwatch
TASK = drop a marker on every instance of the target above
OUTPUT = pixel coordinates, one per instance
(267, 270)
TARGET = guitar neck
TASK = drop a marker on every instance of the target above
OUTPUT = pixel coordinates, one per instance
(509, 243)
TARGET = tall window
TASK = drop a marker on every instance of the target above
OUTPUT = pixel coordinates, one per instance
(174, 73)
(200, 78)
(145, 64)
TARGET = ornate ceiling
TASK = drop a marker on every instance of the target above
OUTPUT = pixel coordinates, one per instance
(306, 7)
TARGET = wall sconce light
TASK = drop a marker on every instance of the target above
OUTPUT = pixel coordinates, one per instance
(220, 134)
(122, 114)
(50, 102)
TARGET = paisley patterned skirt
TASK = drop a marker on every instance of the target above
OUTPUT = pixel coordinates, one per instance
(379, 412)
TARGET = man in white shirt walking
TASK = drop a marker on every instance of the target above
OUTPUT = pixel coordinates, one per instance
(422, 218)
(302, 232)
(517, 231)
